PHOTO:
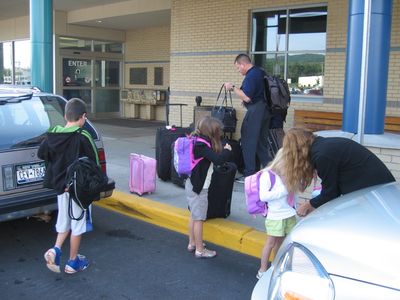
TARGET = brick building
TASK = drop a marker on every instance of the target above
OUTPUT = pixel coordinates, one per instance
(122, 56)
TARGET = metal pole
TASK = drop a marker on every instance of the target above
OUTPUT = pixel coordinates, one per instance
(364, 70)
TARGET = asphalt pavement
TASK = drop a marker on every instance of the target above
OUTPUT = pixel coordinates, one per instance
(129, 259)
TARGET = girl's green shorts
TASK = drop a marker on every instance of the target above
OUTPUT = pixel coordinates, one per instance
(280, 227)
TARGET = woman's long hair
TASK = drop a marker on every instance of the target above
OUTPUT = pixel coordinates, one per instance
(298, 169)
(211, 128)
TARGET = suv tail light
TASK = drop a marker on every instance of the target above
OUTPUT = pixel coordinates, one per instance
(102, 159)
(8, 178)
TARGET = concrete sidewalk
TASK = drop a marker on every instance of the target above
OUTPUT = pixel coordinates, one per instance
(167, 206)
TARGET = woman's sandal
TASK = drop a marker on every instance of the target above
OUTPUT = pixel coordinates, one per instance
(192, 248)
(205, 253)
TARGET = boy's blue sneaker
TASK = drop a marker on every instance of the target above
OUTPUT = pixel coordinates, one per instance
(52, 258)
(80, 263)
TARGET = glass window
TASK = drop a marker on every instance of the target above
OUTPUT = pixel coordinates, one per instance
(158, 76)
(269, 31)
(307, 29)
(107, 100)
(301, 61)
(77, 72)
(272, 63)
(84, 94)
(27, 121)
(22, 62)
(138, 76)
(306, 73)
(110, 47)
(6, 58)
(75, 44)
(106, 73)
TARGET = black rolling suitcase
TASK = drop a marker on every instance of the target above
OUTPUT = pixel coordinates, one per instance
(275, 140)
(164, 139)
(220, 191)
(237, 155)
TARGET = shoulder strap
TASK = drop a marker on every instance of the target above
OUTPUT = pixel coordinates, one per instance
(79, 131)
(272, 179)
(199, 139)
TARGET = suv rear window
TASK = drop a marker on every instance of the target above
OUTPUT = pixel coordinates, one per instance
(24, 123)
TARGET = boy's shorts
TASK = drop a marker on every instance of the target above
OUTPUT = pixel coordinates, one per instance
(65, 223)
(198, 203)
(280, 227)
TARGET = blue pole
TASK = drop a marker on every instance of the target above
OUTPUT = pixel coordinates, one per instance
(353, 66)
(41, 26)
(378, 66)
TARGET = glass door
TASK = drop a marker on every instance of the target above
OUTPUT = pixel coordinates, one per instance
(77, 80)
(91, 70)
(107, 86)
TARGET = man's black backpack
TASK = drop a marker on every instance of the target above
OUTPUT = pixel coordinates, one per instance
(277, 94)
(85, 181)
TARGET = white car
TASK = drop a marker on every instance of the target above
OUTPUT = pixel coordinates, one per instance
(348, 248)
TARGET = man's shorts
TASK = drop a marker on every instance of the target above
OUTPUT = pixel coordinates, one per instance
(280, 227)
(65, 223)
(198, 203)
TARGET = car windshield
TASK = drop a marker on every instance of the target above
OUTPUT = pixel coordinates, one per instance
(24, 123)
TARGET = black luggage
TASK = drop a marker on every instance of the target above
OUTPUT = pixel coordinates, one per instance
(164, 138)
(177, 179)
(237, 155)
(220, 191)
(275, 140)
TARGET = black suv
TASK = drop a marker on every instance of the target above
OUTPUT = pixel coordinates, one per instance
(25, 116)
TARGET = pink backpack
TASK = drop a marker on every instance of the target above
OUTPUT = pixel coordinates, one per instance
(252, 191)
(184, 160)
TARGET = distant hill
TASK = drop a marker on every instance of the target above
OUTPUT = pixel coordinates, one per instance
(303, 58)
(307, 58)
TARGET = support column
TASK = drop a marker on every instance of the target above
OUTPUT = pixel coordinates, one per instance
(353, 65)
(378, 66)
(378, 59)
(41, 26)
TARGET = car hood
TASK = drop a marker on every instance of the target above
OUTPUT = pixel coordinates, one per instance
(357, 235)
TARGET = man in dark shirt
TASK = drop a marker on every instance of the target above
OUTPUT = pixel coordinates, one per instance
(254, 131)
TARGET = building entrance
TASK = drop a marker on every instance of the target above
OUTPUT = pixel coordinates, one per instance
(92, 75)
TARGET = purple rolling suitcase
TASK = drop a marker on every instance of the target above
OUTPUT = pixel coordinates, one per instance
(142, 177)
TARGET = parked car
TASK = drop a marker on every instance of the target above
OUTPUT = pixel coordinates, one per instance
(346, 249)
(25, 116)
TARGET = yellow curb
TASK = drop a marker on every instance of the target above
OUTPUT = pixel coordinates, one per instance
(235, 236)
(253, 242)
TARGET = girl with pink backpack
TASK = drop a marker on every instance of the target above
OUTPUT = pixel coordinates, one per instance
(281, 216)
(209, 130)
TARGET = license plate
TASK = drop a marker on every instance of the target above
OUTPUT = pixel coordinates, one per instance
(29, 173)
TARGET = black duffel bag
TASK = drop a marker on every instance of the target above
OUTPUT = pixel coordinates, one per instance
(226, 114)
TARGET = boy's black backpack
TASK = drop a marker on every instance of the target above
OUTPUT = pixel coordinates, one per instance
(277, 93)
(85, 181)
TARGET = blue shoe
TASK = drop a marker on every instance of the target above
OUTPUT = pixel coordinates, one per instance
(53, 258)
(80, 263)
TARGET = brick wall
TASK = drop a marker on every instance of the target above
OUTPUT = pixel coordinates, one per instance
(391, 158)
(207, 35)
(148, 48)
